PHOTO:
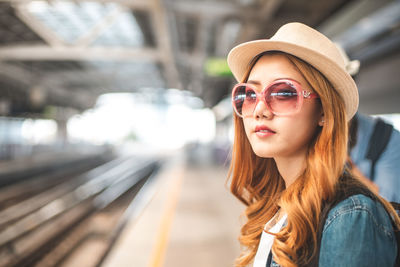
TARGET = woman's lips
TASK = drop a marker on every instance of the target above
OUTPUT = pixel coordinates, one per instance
(263, 131)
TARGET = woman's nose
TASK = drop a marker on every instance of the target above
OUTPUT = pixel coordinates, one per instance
(261, 110)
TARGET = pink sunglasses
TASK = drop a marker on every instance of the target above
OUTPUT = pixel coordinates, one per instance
(282, 97)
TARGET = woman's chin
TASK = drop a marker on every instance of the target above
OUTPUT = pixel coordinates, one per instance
(263, 154)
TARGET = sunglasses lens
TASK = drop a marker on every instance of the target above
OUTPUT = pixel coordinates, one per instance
(244, 100)
(282, 98)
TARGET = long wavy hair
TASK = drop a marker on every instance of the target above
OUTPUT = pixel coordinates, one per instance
(257, 183)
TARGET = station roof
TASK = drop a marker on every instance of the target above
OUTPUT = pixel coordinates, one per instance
(67, 53)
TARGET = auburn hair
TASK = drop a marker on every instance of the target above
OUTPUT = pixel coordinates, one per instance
(256, 181)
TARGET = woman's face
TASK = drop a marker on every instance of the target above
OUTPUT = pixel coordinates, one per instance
(273, 136)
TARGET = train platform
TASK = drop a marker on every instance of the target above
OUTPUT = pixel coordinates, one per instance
(191, 220)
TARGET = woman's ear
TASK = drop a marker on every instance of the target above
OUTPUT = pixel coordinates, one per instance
(321, 120)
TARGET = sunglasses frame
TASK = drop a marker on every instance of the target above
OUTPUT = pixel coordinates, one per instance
(304, 94)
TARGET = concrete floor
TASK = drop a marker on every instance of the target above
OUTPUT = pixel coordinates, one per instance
(206, 223)
(192, 220)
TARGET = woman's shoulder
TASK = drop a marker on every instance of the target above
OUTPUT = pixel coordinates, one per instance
(358, 232)
(359, 208)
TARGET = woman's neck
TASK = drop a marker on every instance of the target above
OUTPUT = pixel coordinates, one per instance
(290, 168)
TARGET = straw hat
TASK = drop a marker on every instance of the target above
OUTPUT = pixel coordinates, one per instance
(309, 45)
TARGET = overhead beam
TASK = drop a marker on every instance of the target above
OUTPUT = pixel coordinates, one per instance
(209, 9)
(383, 20)
(136, 4)
(100, 82)
(350, 15)
(42, 52)
(37, 26)
(200, 53)
(164, 45)
(100, 27)
(223, 9)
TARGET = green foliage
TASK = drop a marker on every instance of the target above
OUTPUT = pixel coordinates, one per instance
(217, 67)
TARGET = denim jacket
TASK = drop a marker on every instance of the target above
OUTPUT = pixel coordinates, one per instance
(357, 232)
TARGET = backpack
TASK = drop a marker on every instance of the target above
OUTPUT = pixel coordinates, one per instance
(378, 141)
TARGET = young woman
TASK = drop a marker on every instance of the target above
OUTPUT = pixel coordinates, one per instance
(304, 208)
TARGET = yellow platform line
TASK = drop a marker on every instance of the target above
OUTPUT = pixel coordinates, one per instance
(160, 247)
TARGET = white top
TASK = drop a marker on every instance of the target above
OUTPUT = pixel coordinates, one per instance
(266, 242)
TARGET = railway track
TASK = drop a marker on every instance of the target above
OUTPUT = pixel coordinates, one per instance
(76, 217)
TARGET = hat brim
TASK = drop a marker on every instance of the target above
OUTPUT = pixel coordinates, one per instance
(240, 57)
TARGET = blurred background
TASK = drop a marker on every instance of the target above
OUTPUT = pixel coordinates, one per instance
(114, 112)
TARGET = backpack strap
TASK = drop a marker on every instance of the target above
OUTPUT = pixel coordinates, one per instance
(377, 143)
(269, 259)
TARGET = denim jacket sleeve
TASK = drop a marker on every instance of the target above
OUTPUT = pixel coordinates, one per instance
(358, 232)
